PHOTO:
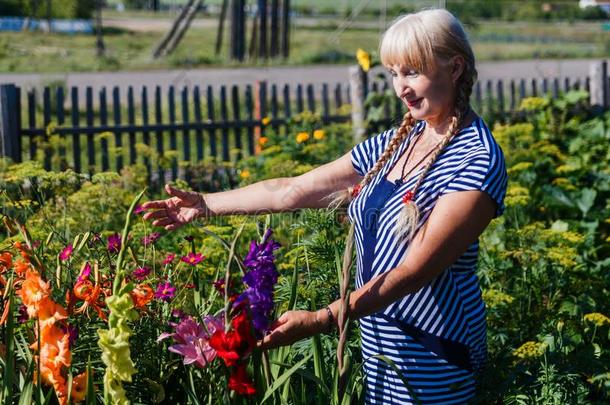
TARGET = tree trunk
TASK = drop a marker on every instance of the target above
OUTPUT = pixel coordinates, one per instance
(99, 43)
(221, 24)
(160, 48)
(186, 23)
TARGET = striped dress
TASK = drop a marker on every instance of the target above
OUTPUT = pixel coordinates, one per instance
(437, 336)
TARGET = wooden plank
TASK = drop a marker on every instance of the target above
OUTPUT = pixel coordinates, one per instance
(89, 120)
(555, 92)
(173, 143)
(75, 123)
(46, 115)
(59, 108)
(198, 132)
(522, 93)
(32, 120)
(212, 133)
(250, 117)
(159, 134)
(325, 103)
(545, 86)
(512, 96)
(104, 121)
(287, 107)
(131, 119)
(478, 97)
(534, 88)
(274, 107)
(237, 117)
(300, 106)
(500, 94)
(311, 101)
(186, 134)
(262, 92)
(338, 96)
(224, 116)
(118, 136)
(490, 98)
(566, 84)
(145, 131)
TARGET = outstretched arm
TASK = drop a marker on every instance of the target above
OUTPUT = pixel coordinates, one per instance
(309, 190)
(456, 222)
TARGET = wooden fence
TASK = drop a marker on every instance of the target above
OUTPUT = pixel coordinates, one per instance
(164, 131)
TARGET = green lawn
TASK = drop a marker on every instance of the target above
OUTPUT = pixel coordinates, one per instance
(38, 52)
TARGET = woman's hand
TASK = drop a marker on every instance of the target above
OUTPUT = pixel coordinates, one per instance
(182, 208)
(293, 326)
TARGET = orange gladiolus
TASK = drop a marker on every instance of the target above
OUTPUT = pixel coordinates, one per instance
(79, 387)
(6, 261)
(141, 295)
(21, 267)
(33, 290)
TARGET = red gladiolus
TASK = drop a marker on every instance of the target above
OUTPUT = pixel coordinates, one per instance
(240, 382)
(235, 344)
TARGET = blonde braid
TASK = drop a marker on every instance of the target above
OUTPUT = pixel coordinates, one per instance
(342, 197)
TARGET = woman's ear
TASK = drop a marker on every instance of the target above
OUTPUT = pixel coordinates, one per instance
(457, 67)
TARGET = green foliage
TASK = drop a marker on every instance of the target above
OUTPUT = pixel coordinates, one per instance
(58, 8)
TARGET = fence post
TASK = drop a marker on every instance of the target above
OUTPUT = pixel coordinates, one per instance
(357, 82)
(9, 133)
(598, 73)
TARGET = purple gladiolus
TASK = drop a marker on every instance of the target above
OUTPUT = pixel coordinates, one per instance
(260, 279)
(191, 339)
(141, 272)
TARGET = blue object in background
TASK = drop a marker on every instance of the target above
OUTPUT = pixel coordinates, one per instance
(61, 26)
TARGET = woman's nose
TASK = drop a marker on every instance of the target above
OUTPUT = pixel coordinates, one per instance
(403, 87)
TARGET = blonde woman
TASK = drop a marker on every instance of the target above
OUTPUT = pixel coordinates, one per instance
(419, 195)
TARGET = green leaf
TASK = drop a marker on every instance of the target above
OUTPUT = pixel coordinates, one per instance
(285, 377)
(586, 200)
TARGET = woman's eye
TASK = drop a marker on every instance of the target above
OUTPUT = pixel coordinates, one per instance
(411, 73)
(393, 74)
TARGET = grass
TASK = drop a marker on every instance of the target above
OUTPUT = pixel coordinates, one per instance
(37, 52)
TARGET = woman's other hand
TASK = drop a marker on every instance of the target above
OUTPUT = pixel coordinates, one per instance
(182, 208)
(293, 326)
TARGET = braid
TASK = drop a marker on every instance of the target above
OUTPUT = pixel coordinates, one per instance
(343, 196)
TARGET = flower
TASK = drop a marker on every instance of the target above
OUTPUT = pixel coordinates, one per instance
(191, 340)
(244, 174)
(530, 350)
(193, 258)
(260, 279)
(138, 209)
(84, 273)
(114, 243)
(235, 344)
(141, 295)
(79, 387)
(141, 272)
(302, 137)
(319, 134)
(364, 59)
(240, 382)
(263, 140)
(168, 259)
(152, 238)
(597, 319)
(165, 292)
(266, 121)
(66, 253)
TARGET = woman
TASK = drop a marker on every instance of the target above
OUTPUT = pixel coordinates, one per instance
(424, 193)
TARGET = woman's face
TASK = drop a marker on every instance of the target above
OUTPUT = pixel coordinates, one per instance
(430, 95)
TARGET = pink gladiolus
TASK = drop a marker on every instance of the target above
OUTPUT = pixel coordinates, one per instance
(85, 273)
(191, 340)
(168, 259)
(66, 253)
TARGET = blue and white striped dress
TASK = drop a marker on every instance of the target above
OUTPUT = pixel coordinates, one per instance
(437, 336)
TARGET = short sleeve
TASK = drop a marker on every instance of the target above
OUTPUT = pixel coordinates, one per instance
(366, 153)
(485, 172)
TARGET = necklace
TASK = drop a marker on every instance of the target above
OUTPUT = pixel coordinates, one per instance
(404, 175)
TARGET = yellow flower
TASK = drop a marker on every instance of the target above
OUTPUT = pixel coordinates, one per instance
(517, 195)
(244, 174)
(263, 140)
(319, 134)
(533, 104)
(530, 350)
(302, 137)
(266, 121)
(597, 319)
(364, 59)
(563, 183)
(519, 167)
(495, 298)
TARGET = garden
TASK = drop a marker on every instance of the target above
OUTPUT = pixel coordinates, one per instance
(98, 306)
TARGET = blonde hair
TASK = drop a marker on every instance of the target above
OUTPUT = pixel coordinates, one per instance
(420, 41)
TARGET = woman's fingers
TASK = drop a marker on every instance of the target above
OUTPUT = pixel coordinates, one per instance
(154, 204)
(163, 222)
(174, 192)
(155, 214)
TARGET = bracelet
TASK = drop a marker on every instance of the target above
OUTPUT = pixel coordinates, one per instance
(331, 318)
